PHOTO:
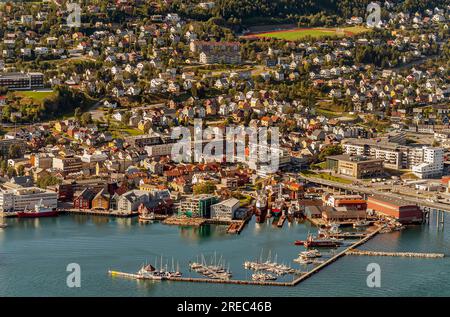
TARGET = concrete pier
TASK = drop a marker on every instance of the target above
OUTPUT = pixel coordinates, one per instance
(399, 254)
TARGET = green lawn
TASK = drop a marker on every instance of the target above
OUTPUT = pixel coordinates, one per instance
(37, 96)
(298, 34)
(326, 176)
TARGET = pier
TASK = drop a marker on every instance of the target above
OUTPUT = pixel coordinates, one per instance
(91, 212)
(399, 254)
(301, 277)
(336, 257)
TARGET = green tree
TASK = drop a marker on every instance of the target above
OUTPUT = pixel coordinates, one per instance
(204, 188)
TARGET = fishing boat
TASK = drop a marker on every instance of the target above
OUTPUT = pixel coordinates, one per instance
(145, 217)
(313, 253)
(261, 208)
(39, 211)
(3, 225)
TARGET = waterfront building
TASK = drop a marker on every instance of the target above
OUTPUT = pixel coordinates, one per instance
(343, 214)
(348, 201)
(17, 198)
(101, 200)
(131, 200)
(198, 205)
(225, 210)
(84, 200)
(402, 210)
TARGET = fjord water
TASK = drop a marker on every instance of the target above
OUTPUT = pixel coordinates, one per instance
(34, 254)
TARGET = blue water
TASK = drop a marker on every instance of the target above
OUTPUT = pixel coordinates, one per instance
(34, 254)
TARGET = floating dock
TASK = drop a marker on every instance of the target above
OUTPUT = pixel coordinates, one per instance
(399, 254)
(301, 277)
(99, 213)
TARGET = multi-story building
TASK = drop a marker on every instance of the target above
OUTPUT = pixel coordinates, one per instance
(197, 206)
(355, 166)
(67, 163)
(43, 160)
(217, 52)
(145, 140)
(224, 210)
(131, 200)
(17, 198)
(22, 81)
(394, 155)
(432, 163)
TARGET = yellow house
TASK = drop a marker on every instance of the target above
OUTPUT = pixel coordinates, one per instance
(144, 126)
(60, 126)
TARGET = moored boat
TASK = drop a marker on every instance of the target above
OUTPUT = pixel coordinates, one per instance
(39, 211)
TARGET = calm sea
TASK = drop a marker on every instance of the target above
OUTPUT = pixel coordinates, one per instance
(34, 254)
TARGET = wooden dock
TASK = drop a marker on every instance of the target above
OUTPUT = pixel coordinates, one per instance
(302, 277)
(99, 213)
(399, 254)
(336, 257)
(201, 280)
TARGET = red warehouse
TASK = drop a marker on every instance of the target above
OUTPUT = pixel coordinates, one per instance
(403, 211)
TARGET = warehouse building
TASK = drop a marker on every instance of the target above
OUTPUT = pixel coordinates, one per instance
(404, 211)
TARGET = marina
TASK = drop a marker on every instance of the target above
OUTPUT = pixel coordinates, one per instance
(133, 244)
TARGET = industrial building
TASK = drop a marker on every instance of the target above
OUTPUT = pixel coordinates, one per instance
(18, 198)
(402, 210)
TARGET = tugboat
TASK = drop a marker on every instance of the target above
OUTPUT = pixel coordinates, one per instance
(39, 211)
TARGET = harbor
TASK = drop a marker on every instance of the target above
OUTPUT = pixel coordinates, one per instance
(133, 244)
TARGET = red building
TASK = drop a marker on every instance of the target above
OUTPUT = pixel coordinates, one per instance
(403, 211)
(84, 200)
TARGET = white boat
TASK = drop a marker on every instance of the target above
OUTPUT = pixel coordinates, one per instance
(3, 225)
(361, 223)
(313, 253)
(303, 260)
(263, 277)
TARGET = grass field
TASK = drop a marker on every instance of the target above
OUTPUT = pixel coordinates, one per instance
(37, 96)
(298, 34)
(326, 176)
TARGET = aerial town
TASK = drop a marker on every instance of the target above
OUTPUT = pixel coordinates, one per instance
(88, 114)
